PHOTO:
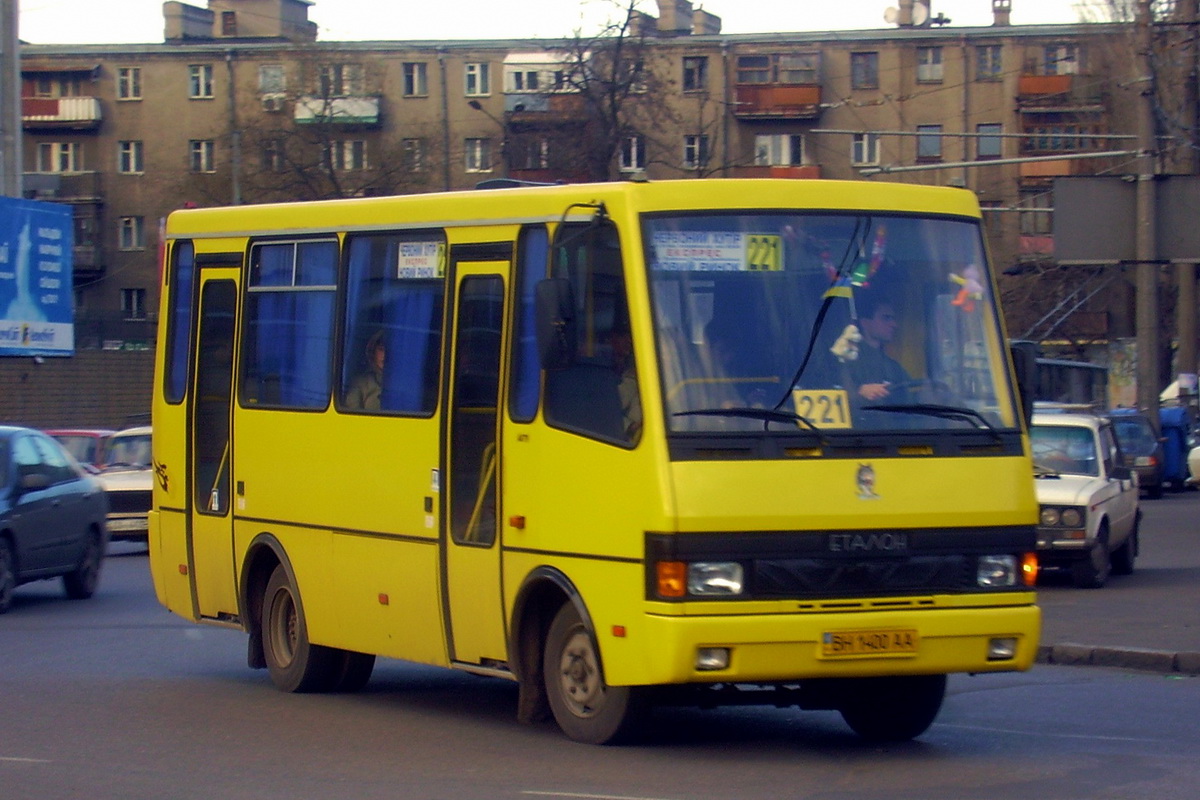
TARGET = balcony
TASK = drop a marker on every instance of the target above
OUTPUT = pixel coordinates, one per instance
(350, 111)
(544, 108)
(800, 172)
(1056, 94)
(61, 113)
(777, 101)
(1035, 247)
(75, 187)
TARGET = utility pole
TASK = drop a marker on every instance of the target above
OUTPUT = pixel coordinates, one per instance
(10, 102)
(1185, 274)
(1146, 246)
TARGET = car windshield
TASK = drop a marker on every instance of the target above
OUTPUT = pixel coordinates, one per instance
(825, 322)
(131, 450)
(81, 447)
(1065, 449)
(1135, 435)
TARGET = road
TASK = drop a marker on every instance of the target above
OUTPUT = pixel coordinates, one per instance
(116, 698)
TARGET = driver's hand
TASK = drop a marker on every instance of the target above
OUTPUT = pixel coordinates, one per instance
(874, 391)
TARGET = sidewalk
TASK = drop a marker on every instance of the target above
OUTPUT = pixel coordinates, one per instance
(1149, 620)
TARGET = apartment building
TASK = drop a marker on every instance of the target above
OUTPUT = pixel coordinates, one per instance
(241, 104)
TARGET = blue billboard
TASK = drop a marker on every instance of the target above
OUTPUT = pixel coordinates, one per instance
(36, 297)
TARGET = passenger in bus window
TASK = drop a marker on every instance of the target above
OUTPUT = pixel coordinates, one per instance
(874, 374)
(366, 388)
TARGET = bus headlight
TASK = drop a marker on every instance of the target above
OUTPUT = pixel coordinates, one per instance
(709, 578)
(997, 571)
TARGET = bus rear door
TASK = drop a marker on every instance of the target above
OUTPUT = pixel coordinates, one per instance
(210, 539)
(475, 615)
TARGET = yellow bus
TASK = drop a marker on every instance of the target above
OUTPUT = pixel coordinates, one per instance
(626, 444)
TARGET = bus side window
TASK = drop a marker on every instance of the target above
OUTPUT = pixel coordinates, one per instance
(392, 342)
(598, 394)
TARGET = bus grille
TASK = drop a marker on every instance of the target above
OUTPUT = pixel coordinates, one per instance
(817, 577)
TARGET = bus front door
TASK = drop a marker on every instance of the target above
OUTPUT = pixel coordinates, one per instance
(210, 537)
(473, 598)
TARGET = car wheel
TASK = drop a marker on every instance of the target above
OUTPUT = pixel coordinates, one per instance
(8, 575)
(895, 708)
(584, 706)
(1091, 571)
(295, 664)
(1124, 556)
(81, 582)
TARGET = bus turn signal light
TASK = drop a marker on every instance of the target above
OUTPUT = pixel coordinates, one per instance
(1029, 568)
(672, 578)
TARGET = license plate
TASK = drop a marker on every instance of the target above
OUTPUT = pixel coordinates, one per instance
(138, 524)
(855, 644)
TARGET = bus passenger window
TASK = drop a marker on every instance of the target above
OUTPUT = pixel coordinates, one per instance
(392, 341)
(598, 394)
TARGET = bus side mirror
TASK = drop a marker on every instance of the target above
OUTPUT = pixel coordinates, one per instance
(1024, 357)
(554, 310)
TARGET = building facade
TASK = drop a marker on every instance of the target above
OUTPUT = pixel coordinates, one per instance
(241, 104)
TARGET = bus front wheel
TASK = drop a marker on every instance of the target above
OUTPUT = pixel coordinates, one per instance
(894, 709)
(295, 664)
(584, 706)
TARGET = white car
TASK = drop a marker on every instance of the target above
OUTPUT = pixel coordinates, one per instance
(127, 474)
(1193, 463)
(1089, 499)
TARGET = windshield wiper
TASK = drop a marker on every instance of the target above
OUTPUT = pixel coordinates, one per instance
(944, 412)
(765, 414)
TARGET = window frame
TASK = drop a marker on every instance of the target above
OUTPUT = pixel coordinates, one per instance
(989, 62)
(202, 156)
(929, 142)
(930, 68)
(696, 154)
(991, 137)
(477, 79)
(131, 157)
(632, 155)
(131, 233)
(129, 84)
(864, 149)
(477, 154)
(695, 73)
(415, 75)
(200, 82)
(864, 69)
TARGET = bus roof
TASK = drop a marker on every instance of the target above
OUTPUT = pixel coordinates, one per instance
(546, 203)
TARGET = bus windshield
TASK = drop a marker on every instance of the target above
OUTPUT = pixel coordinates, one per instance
(825, 322)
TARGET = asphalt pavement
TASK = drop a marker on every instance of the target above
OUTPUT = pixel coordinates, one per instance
(1149, 620)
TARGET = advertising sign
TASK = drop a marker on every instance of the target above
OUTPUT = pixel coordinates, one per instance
(36, 297)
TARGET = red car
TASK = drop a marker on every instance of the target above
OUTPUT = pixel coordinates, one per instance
(85, 444)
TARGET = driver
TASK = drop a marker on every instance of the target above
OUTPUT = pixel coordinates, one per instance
(874, 373)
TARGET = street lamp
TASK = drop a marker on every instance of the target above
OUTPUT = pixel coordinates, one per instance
(475, 104)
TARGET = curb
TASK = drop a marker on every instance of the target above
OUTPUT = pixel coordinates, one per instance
(1186, 663)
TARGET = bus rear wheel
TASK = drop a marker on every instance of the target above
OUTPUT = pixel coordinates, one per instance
(584, 706)
(295, 664)
(894, 709)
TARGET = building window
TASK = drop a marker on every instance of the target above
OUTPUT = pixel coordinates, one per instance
(523, 80)
(477, 80)
(200, 153)
(929, 142)
(57, 86)
(695, 73)
(864, 70)
(129, 157)
(1036, 218)
(988, 64)
(800, 68)
(341, 80)
(59, 157)
(272, 155)
(988, 143)
(779, 150)
(131, 233)
(1062, 59)
(129, 83)
(478, 155)
(929, 64)
(345, 155)
(530, 153)
(200, 81)
(414, 154)
(633, 153)
(754, 69)
(229, 23)
(271, 79)
(416, 84)
(695, 152)
(133, 303)
(864, 149)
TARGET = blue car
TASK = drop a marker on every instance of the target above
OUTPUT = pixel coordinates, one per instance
(52, 516)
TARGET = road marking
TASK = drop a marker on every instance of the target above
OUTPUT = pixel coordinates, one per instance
(25, 760)
(585, 796)
(1044, 734)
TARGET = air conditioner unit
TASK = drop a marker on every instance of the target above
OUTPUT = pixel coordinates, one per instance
(273, 103)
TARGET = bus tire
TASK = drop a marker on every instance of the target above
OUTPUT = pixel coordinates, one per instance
(584, 706)
(895, 708)
(295, 664)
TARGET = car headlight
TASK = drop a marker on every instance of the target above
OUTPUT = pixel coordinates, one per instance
(1052, 517)
(1049, 516)
(709, 578)
(998, 570)
(1072, 517)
